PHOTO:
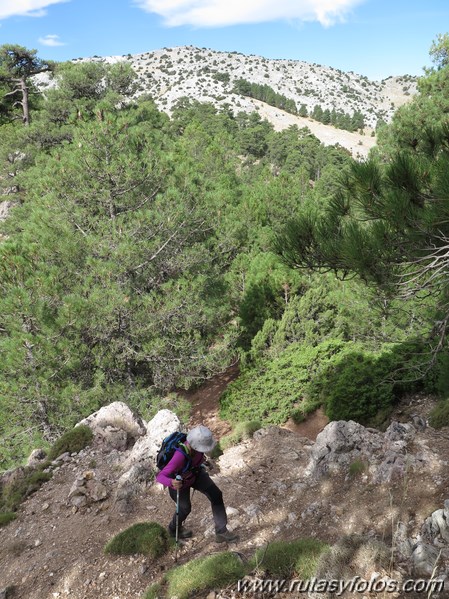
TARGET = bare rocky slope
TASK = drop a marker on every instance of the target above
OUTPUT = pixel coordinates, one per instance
(280, 485)
(206, 75)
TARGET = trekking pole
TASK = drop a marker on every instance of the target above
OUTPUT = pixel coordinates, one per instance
(178, 477)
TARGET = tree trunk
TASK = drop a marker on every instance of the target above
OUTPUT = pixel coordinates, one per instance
(25, 105)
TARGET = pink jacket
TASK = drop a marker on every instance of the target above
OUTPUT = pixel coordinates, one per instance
(176, 465)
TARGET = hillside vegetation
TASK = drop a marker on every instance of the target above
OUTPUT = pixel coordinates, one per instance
(145, 253)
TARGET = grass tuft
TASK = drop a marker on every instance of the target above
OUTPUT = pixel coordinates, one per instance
(147, 538)
(204, 574)
(6, 518)
(71, 441)
(284, 559)
(353, 555)
(357, 467)
(243, 430)
(154, 591)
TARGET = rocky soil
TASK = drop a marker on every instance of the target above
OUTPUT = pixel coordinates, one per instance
(278, 485)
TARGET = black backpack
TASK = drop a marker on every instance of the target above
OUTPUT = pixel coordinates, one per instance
(170, 444)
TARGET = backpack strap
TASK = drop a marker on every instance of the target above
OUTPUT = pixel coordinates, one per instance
(186, 453)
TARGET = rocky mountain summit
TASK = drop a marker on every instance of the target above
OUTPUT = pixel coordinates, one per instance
(209, 76)
(205, 75)
(351, 482)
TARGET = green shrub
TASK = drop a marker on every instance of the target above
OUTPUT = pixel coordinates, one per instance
(148, 538)
(354, 385)
(439, 416)
(20, 488)
(6, 518)
(71, 441)
(283, 559)
(204, 573)
(242, 431)
(297, 415)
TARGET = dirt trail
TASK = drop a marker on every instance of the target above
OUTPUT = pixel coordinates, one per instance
(205, 402)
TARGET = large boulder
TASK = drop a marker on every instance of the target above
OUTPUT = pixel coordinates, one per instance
(115, 426)
(139, 466)
(146, 447)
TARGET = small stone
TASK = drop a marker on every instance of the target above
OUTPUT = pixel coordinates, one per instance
(143, 568)
(37, 542)
(45, 506)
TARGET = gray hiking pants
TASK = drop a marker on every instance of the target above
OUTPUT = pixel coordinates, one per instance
(204, 484)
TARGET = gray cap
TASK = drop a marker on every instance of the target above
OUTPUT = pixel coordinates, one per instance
(201, 439)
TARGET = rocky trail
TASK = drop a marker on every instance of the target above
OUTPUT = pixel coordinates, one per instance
(283, 484)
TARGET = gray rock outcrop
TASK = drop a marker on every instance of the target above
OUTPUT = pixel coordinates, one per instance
(139, 466)
(341, 443)
(147, 446)
(115, 426)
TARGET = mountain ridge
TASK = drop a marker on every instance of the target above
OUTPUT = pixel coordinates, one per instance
(209, 76)
(160, 74)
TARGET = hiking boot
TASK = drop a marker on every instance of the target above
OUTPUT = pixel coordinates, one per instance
(226, 537)
(183, 533)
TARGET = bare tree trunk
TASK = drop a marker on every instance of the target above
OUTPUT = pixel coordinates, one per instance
(25, 104)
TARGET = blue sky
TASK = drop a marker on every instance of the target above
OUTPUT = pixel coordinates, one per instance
(376, 38)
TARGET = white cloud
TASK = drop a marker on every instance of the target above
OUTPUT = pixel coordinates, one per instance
(29, 8)
(51, 40)
(219, 13)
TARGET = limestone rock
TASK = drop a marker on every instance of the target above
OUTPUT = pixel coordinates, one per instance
(129, 484)
(86, 490)
(147, 446)
(36, 458)
(435, 529)
(424, 559)
(341, 443)
(115, 426)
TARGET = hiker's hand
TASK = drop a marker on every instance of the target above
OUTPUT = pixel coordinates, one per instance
(176, 484)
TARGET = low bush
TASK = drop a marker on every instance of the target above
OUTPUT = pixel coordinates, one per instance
(71, 441)
(284, 559)
(439, 416)
(297, 415)
(354, 385)
(147, 538)
(6, 518)
(204, 574)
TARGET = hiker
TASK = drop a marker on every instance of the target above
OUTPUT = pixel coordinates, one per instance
(199, 441)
